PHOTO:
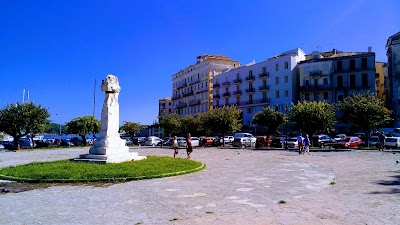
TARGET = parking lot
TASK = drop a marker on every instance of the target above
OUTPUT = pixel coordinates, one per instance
(238, 186)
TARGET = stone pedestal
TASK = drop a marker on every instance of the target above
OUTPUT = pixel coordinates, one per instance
(110, 148)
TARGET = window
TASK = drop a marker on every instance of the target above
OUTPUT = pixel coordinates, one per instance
(264, 83)
(325, 81)
(264, 97)
(217, 102)
(286, 79)
(326, 95)
(286, 93)
(250, 73)
(286, 65)
(307, 82)
(352, 81)
(250, 99)
(352, 64)
(307, 96)
(340, 81)
(264, 69)
(364, 63)
(364, 80)
(169, 103)
(238, 76)
(277, 80)
(340, 98)
(238, 100)
(249, 110)
(227, 101)
(169, 110)
(277, 94)
(277, 67)
(339, 65)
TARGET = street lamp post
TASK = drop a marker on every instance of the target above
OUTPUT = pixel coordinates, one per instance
(286, 127)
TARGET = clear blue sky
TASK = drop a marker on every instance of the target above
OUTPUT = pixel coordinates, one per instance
(56, 49)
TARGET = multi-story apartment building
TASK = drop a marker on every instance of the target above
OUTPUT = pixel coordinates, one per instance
(165, 107)
(334, 75)
(393, 54)
(192, 86)
(380, 80)
(256, 85)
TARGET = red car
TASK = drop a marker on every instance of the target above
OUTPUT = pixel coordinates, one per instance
(348, 142)
(263, 142)
(206, 141)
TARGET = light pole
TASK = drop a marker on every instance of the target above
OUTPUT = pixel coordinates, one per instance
(60, 126)
(286, 126)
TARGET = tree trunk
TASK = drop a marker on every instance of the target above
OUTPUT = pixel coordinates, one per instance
(83, 139)
(16, 140)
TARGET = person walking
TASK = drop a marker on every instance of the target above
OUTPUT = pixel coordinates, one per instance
(189, 148)
(175, 146)
(381, 140)
(306, 144)
(300, 143)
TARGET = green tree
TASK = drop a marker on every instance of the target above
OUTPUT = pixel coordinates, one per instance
(171, 124)
(21, 119)
(82, 126)
(54, 128)
(269, 118)
(224, 120)
(131, 128)
(190, 124)
(312, 117)
(364, 112)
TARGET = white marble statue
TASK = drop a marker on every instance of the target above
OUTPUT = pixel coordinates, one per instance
(110, 147)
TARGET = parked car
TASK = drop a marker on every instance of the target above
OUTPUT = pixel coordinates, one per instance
(76, 141)
(227, 139)
(348, 142)
(128, 141)
(153, 141)
(339, 137)
(373, 141)
(262, 141)
(322, 140)
(207, 141)
(2, 147)
(278, 142)
(181, 142)
(7, 144)
(25, 143)
(244, 140)
(292, 142)
(392, 142)
(66, 142)
(195, 142)
(139, 140)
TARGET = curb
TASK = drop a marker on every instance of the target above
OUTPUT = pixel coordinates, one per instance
(27, 180)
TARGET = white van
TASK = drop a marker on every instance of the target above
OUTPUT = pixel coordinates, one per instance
(392, 142)
(153, 141)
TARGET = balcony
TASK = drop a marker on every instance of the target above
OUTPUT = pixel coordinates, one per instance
(216, 96)
(226, 83)
(188, 93)
(226, 94)
(181, 105)
(237, 81)
(258, 101)
(194, 81)
(216, 85)
(181, 85)
(263, 88)
(250, 90)
(263, 75)
(250, 78)
(321, 87)
(238, 92)
(253, 102)
(203, 89)
(194, 102)
(174, 97)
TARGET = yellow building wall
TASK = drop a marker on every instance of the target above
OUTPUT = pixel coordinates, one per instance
(380, 81)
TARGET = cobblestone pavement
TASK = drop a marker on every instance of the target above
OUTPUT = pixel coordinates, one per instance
(236, 187)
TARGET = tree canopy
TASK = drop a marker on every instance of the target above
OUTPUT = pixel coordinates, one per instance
(312, 117)
(223, 120)
(364, 111)
(131, 128)
(19, 120)
(83, 125)
(190, 124)
(171, 124)
(269, 118)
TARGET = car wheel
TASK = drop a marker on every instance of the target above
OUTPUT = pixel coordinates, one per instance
(243, 146)
(153, 144)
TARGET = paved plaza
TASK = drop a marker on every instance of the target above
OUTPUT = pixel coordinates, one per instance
(238, 186)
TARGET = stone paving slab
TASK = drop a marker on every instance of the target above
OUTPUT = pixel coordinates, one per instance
(236, 187)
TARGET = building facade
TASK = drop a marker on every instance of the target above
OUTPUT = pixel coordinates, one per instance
(380, 80)
(256, 85)
(165, 107)
(333, 77)
(393, 54)
(192, 86)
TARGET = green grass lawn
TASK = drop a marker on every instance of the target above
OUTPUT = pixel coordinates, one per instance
(66, 171)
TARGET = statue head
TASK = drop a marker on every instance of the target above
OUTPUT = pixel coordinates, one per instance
(110, 85)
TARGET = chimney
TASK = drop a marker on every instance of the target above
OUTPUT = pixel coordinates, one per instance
(369, 49)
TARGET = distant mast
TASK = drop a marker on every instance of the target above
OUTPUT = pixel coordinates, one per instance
(23, 96)
(94, 98)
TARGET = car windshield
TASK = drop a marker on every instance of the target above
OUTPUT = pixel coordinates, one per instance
(347, 139)
(391, 139)
(374, 139)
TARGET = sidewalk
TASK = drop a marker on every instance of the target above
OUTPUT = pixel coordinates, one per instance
(236, 187)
